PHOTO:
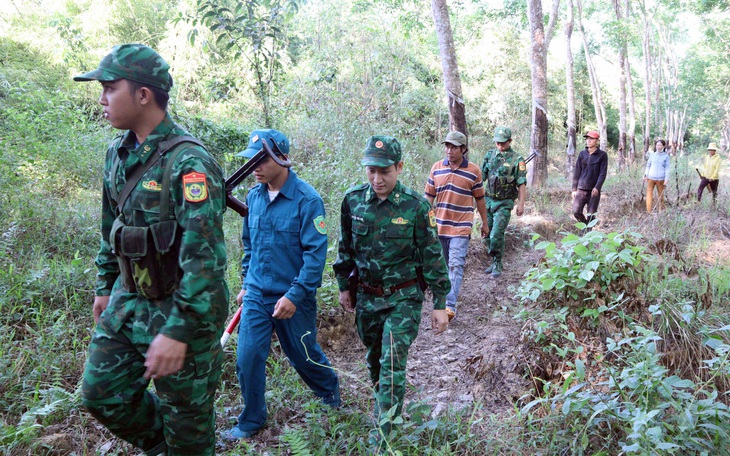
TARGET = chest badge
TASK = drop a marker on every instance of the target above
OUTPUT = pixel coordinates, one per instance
(399, 221)
(195, 187)
(152, 185)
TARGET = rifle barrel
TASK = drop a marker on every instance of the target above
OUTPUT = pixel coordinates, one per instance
(244, 171)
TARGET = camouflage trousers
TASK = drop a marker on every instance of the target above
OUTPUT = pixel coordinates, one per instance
(388, 334)
(498, 215)
(180, 417)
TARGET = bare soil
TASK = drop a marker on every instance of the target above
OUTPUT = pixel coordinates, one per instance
(481, 357)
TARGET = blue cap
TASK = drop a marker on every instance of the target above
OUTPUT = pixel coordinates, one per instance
(272, 136)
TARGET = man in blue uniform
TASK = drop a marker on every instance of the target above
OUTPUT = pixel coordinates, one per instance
(285, 249)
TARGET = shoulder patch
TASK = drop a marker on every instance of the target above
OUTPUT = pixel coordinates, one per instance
(195, 187)
(320, 225)
(432, 218)
(523, 167)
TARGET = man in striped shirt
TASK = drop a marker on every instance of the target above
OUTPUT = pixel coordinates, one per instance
(454, 183)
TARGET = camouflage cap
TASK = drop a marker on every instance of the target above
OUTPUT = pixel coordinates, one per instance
(135, 62)
(273, 136)
(502, 134)
(456, 138)
(381, 151)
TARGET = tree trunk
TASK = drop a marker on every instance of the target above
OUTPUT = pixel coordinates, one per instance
(570, 92)
(631, 133)
(450, 68)
(622, 91)
(537, 171)
(598, 106)
(647, 81)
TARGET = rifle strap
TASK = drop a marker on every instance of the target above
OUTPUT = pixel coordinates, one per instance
(162, 148)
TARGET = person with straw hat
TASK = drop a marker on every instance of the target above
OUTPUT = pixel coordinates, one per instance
(710, 173)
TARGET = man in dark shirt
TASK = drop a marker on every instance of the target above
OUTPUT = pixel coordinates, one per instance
(588, 177)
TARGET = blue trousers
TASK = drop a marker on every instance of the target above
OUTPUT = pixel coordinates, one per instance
(455, 255)
(254, 343)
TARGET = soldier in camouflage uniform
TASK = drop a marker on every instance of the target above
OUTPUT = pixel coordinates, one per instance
(161, 298)
(505, 178)
(388, 234)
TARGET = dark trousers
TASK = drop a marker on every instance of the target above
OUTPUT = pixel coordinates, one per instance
(298, 339)
(713, 188)
(583, 198)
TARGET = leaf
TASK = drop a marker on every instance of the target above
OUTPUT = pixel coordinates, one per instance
(566, 407)
(530, 405)
(587, 275)
(626, 256)
(543, 245)
(548, 283)
(580, 369)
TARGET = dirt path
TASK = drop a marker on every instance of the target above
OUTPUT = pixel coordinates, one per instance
(480, 357)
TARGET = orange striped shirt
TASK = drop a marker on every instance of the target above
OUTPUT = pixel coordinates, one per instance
(454, 192)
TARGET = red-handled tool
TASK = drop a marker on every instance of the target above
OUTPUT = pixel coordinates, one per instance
(231, 326)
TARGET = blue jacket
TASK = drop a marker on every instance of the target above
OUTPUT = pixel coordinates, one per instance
(657, 167)
(284, 242)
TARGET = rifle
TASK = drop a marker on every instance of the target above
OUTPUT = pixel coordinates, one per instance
(532, 156)
(244, 171)
(698, 173)
(240, 207)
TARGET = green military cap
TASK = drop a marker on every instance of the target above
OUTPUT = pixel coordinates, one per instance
(135, 62)
(456, 138)
(502, 134)
(381, 151)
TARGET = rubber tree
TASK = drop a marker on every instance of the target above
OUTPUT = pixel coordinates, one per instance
(622, 57)
(537, 171)
(598, 105)
(570, 92)
(449, 66)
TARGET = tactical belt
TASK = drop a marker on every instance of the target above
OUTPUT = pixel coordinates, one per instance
(380, 291)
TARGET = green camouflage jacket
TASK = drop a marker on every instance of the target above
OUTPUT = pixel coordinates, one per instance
(198, 304)
(503, 173)
(387, 240)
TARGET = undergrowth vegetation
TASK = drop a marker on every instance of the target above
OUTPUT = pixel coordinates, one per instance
(633, 359)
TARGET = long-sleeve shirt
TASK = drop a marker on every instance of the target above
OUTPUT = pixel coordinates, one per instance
(590, 170)
(284, 242)
(657, 167)
(387, 240)
(199, 304)
(711, 167)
